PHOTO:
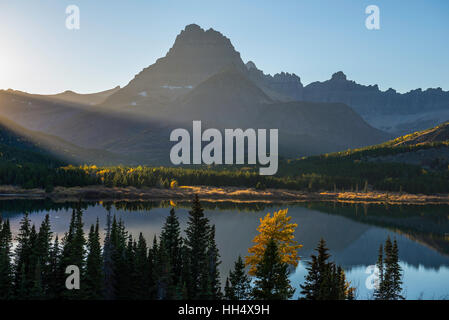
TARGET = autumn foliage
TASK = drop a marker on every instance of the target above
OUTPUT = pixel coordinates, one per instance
(278, 228)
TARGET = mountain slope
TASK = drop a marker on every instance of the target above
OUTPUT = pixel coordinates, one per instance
(433, 135)
(89, 98)
(428, 149)
(230, 100)
(54, 126)
(51, 147)
(94, 134)
(419, 167)
(19, 149)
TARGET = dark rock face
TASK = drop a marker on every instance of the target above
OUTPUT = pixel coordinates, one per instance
(382, 109)
(386, 110)
(282, 86)
(363, 99)
(370, 100)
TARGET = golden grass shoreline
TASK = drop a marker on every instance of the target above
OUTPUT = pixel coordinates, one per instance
(217, 194)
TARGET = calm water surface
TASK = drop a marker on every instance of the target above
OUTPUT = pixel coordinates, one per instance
(353, 233)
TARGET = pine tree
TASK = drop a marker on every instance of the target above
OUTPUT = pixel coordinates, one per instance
(205, 288)
(171, 236)
(34, 257)
(73, 253)
(68, 244)
(325, 280)
(37, 292)
(396, 273)
(388, 276)
(228, 291)
(22, 259)
(186, 276)
(142, 269)
(108, 268)
(316, 270)
(130, 269)
(340, 289)
(272, 281)
(42, 251)
(152, 259)
(197, 239)
(238, 284)
(390, 286)
(163, 273)
(79, 241)
(6, 272)
(379, 291)
(54, 278)
(119, 239)
(94, 272)
(213, 262)
(22, 292)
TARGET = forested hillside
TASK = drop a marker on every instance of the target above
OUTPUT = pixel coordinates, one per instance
(416, 163)
(17, 149)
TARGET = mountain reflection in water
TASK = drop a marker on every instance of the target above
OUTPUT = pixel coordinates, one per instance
(352, 232)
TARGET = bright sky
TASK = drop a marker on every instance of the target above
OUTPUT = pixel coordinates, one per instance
(311, 38)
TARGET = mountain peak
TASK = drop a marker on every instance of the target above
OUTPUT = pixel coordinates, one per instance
(251, 65)
(193, 36)
(339, 76)
(192, 28)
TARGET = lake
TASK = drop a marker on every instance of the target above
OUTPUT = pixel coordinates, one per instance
(353, 233)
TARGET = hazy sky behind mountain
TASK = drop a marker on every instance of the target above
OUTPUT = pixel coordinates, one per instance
(313, 39)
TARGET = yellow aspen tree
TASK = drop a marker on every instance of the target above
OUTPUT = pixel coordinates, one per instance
(278, 228)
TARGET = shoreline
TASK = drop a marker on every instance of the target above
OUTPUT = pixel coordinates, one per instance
(216, 194)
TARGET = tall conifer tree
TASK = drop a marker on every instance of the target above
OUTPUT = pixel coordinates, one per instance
(108, 268)
(325, 280)
(272, 281)
(55, 277)
(73, 253)
(390, 272)
(396, 273)
(94, 265)
(6, 272)
(22, 259)
(213, 262)
(379, 291)
(42, 250)
(238, 283)
(197, 233)
(142, 269)
(171, 236)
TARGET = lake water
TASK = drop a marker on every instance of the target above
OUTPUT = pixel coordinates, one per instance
(353, 234)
